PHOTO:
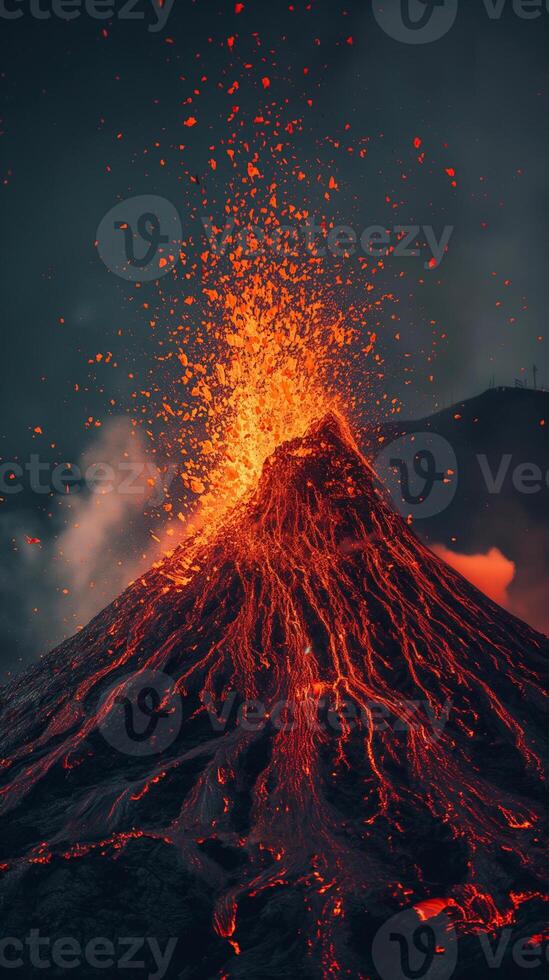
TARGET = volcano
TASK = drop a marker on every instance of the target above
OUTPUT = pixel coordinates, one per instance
(297, 726)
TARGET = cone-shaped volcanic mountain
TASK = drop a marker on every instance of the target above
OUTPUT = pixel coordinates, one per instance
(292, 728)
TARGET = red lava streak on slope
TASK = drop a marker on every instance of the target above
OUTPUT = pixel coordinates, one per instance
(411, 723)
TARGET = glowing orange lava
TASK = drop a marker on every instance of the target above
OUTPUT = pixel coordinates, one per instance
(391, 690)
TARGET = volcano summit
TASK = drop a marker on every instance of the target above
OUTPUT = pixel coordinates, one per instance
(288, 731)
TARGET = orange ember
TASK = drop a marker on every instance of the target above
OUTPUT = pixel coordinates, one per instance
(270, 329)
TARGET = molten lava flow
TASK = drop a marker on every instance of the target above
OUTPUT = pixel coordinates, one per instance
(394, 756)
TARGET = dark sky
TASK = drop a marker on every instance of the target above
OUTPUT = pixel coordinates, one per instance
(478, 99)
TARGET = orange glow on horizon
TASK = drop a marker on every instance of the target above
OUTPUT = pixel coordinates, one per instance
(492, 572)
